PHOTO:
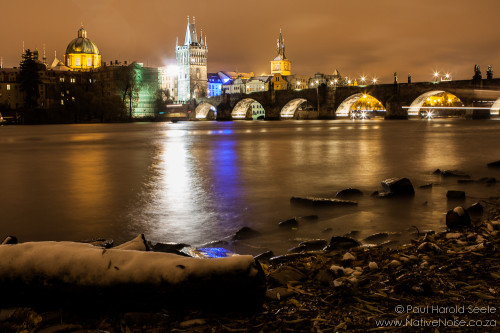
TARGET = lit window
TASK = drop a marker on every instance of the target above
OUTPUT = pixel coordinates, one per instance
(72, 80)
(89, 62)
(8, 87)
(61, 79)
(62, 102)
(77, 62)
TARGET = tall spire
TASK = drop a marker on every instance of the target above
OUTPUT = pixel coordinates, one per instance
(201, 36)
(281, 46)
(191, 36)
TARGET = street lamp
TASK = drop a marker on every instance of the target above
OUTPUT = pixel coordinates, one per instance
(363, 79)
(436, 75)
(374, 81)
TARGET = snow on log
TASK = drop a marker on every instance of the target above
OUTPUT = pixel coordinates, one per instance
(82, 275)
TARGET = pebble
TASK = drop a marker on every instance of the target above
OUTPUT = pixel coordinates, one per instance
(372, 265)
(394, 263)
(192, 322)
(348, 256)
(453, 235)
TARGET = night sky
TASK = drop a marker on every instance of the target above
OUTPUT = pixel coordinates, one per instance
(363, 37)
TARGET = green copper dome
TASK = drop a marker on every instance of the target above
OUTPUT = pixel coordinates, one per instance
(82, 44)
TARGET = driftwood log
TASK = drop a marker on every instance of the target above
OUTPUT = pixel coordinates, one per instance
(67, 274)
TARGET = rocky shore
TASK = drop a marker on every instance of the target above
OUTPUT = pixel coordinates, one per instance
(442, 281)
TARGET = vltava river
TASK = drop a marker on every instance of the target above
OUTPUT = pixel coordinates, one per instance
(196, 182)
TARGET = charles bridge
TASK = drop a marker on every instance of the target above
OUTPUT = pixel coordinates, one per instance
(480, 98)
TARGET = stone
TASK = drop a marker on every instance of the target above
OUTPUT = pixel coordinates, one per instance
(348, 257)
(389, 243)
(454, 173)
(436, 172)
(465, 181)
(283, 275)
(265, 256)
(398, 187)
(324, 276)
(376, 237)
(456, 195)
(476, 209)
(327, 230)
(394, 263)
(278, 293)
(487, 180)
(495, 164)
(310, 245)
(426, 186)
(315, 201)
(457, 218)
(352, 233)
(453, 235)
(290, 223)
(338, 243)
(308, 218)
(245, 233)
(429, 247)
(372, 265)
(349, 193)
(337, 270)
(192, 322)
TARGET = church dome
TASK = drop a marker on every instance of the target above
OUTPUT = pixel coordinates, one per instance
(82, 44)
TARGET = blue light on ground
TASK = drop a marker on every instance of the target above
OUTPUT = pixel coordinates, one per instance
(215, 252)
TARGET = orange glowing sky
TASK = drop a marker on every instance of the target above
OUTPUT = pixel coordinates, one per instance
(363, 37)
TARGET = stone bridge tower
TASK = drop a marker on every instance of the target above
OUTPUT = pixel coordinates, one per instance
(192, 62)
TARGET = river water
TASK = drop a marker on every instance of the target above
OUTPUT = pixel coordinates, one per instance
(196, 182)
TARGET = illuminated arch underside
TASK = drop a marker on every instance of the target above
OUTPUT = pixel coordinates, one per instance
(495, 108)
(289, 109)
(345, 107)
(414, 108)
(203, 109)
(241, 108)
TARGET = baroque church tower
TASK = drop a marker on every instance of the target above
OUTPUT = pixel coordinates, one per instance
(281, 64)
(192, 62)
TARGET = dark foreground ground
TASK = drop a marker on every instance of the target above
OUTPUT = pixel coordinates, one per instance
(443, 282)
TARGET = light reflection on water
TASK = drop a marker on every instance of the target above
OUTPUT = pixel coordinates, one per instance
(201, 181)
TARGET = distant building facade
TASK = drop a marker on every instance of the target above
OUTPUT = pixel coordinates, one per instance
(192, 63)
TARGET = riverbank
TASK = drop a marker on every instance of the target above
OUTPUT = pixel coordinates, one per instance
(449, 281)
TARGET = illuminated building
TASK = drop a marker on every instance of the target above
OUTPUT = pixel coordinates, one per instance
(82, 54)
(192, 62)
(279, 82)
(258, 111)
(258, 83)
(280, 64)
(214, 85)
(169, 80)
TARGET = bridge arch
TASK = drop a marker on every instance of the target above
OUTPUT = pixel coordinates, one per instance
(248, 108)
(206, 111)
(366, 104)
(495, 108)
(427, 97)
(292, 107)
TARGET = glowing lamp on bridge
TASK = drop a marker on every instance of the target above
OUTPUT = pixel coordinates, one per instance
(335, 81)
(374, 81)
(363, 79)
(429, 115)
